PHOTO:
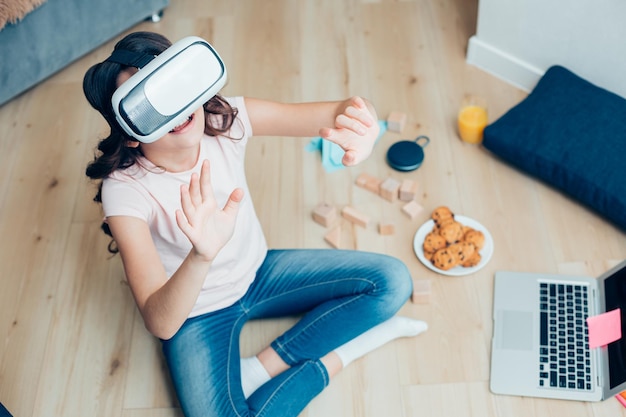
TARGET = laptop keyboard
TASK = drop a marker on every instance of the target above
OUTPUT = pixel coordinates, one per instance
(564, 360)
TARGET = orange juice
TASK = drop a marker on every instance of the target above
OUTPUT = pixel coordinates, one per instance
(472, 122)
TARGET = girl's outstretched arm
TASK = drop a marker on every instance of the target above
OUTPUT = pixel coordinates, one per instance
(350, 123)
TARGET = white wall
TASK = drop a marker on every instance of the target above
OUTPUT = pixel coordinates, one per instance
(517, 40)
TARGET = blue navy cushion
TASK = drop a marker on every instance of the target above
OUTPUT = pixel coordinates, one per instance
(4, 412)
(570, 134)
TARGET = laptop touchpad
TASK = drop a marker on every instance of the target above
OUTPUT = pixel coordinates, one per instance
(515, 330)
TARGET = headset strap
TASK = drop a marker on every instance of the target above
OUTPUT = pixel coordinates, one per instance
(130, 58)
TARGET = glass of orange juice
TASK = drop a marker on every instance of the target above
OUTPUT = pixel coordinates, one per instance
(472, 119)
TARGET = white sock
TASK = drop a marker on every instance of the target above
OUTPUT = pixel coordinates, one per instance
(253, 375)
(377, 336)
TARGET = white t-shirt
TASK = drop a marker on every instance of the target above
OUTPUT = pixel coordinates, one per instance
(149, 193)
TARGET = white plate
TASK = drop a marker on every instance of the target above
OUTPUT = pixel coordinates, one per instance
(485, 252)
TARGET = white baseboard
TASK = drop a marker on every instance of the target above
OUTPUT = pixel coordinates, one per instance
(502, 65)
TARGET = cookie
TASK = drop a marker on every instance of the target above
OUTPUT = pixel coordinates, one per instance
(434, 241)
(441, 213)
(445, 259)
(451, 231)
(472, 260)
(464, 250)
(442, 223)
(476, 237)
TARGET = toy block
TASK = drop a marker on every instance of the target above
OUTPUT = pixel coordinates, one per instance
(389, 189)
(324, 214)
(363, 179)
(369, 182)
(412, 209)
(355, 216)
(386, 228)
(408, 190)
(396, 121)
(421, 291)
(333, 238)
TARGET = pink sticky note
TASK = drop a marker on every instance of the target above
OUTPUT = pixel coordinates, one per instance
(604, 328)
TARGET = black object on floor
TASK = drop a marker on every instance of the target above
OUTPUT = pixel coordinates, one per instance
(407, 155)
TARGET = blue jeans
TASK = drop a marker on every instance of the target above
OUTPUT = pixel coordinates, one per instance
(339, 294)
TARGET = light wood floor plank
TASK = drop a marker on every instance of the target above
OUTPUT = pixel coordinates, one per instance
(153, 412)
(147, 383)
(454, 399)
(87, 350)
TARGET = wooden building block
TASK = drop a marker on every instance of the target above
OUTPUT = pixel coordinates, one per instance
(355, 216)
(408, 190)
(369, 182)
(389, 189)
(396, 121)
(412, 209)
(333, 238)
(324, 214)
(386, 228)
(421, 291)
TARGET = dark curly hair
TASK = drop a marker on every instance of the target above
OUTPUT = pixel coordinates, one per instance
(99, 84)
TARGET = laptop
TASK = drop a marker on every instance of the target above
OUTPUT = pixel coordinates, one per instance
(540, 345)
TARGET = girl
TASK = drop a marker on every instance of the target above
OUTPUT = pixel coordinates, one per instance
(198, 265)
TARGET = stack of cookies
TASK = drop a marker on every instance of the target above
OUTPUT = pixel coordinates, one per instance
(450, 243)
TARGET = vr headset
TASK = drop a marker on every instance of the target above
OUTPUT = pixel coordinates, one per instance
(168, 88)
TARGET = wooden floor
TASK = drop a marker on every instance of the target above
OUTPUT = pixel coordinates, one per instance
(71, 341)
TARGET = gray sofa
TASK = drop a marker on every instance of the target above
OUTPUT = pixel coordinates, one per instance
(59, 32)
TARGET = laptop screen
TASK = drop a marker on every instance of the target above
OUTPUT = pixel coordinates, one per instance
(615, 297)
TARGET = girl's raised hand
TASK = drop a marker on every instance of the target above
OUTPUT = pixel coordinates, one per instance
(355, 131)
(207, 227)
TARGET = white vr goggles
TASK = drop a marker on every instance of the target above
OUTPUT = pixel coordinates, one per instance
(168, 89)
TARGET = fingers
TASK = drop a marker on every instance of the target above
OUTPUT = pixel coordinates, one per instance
(194, 190)
(359, 102)
(183, 224)
(232, 205)
(200, 187)
(327, 133)
(345, 122)
(198, 195)
(359, 111)
(206, 188)
(349, 159)
(199, 192)
(356, 118)
(186, 201)
(206, 226)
